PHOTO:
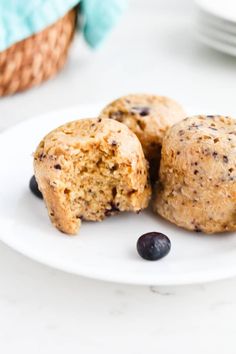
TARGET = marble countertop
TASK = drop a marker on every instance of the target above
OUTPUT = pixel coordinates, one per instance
(45, 311)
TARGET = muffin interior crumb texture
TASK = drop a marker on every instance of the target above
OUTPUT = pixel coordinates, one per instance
(90, 169)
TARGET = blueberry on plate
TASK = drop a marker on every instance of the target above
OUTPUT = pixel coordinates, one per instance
(34, 187)
(153, 246)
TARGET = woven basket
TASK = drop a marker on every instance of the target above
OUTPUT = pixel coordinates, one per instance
(37, 58)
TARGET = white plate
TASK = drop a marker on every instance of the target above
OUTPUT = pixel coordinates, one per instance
(223, 9)
(104, 250)
(207, 38)
(210, 20)
(214, 33)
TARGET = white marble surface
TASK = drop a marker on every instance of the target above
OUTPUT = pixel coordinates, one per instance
(45, 311)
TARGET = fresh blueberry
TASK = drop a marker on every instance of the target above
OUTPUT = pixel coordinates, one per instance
(153, 246)
(34, 187)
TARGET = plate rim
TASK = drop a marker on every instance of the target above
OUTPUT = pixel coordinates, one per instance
(198, 278)
(205, 7)
(208, 277)
(216, 44)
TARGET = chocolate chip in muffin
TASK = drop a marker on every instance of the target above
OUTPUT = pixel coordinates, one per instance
(225, 159)
(142, 111)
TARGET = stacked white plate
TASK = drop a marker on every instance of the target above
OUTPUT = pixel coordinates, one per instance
(216, 24)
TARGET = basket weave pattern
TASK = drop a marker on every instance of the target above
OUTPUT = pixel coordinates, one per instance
(37, 58)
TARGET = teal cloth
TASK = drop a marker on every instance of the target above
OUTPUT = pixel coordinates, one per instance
(20, 19)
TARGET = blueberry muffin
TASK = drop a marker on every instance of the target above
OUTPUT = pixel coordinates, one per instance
(197, 188)
(89, 169)
(149, 117)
